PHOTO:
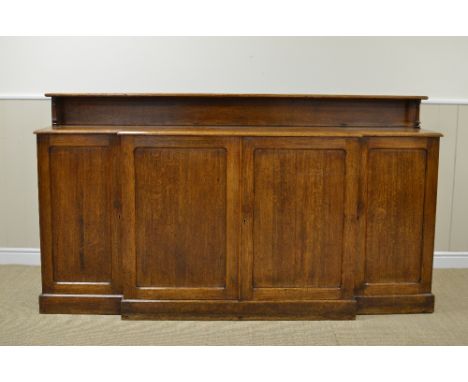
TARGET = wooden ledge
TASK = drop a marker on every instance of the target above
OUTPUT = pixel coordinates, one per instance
(79, 304)
(241, 131)
(417, 303)
(239, 310)
(241, 95)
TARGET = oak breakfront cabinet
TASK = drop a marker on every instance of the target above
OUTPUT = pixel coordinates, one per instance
(229, 206)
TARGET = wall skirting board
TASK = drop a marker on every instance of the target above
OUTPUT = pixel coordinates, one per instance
(31, 256)
(20, 256)
(450, 259)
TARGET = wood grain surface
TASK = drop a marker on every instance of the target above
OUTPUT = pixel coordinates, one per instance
(203, 206)
(232, 110)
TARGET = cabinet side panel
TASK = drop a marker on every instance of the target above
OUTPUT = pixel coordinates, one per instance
(298, 218)
(80, 193)
(180, 217)
(395, 194)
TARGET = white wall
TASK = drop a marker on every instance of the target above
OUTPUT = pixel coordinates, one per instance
(436, 67)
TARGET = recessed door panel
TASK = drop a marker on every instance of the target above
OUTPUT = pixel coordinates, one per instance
(298, 218)
(396, 186)
(180, 196)
(80, 192)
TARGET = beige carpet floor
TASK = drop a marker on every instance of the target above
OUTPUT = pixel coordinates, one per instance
(21, 324)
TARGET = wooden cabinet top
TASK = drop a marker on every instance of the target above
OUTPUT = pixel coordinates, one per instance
(271, 110)
(238, 95)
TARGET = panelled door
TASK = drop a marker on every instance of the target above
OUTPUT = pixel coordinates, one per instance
(79, 199)
(300, 198)
(400, 184)
(181, 217)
